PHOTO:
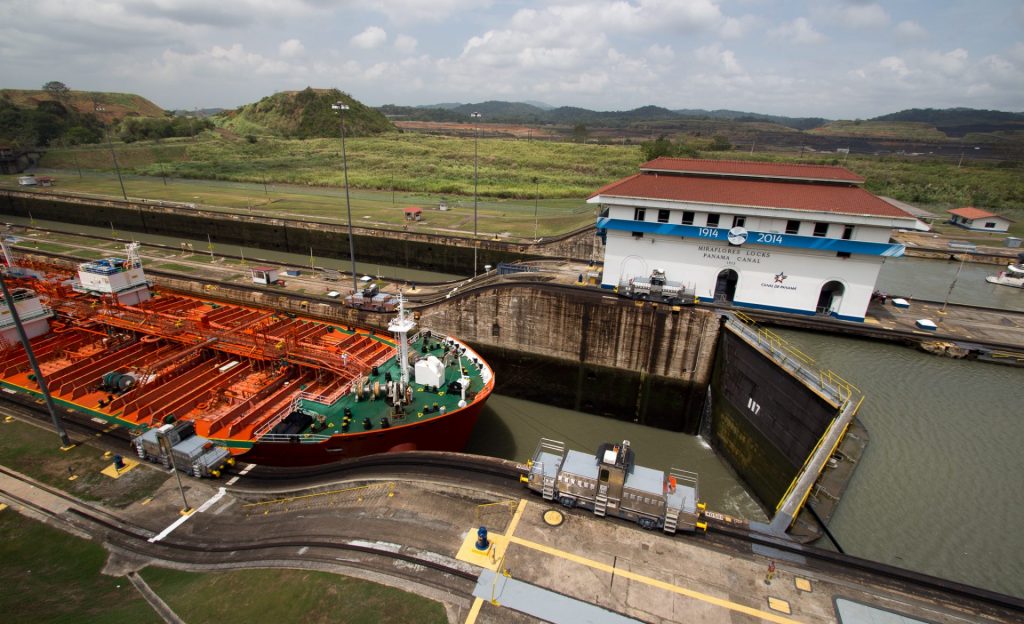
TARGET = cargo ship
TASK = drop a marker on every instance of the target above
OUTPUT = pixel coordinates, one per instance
(269, 387)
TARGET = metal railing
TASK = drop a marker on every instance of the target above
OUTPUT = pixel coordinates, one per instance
(833, 388)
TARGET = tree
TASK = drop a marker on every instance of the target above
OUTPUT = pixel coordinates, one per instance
(580, 133)
(720, 144)
(57, 89)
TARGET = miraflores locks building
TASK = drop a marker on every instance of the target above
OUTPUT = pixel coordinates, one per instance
(806, 239)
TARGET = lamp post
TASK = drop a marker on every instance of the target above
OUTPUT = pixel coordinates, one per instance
(476, 154)
(536, 200)
(341, 108)
(100, 109)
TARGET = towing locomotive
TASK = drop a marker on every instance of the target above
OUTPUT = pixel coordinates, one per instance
(610, 483)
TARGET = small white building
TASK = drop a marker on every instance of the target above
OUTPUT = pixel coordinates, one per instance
(264, 276)
(973, 218)
(805, 239)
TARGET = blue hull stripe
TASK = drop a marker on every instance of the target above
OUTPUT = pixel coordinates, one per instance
(769, 239)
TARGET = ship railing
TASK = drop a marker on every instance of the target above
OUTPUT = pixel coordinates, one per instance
(835, 389)
(301, 438)
(271, 422)
(324, 399)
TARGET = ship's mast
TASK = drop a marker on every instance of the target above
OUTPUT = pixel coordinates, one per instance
(400, 326)
(8, 258)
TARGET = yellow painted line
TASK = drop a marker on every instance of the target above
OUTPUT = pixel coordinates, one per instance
(474, 611)
(683, 591)
(515, 518)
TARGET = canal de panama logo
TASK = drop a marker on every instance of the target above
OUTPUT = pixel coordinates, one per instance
(778, 282)
(737, 235)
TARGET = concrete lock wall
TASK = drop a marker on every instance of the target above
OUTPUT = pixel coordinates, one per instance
(764, 421)
(602, 355)
(422, 251)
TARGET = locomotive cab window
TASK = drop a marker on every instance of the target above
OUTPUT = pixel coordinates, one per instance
(604, 475)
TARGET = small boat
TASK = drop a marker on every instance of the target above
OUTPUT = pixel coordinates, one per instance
(1012, 276)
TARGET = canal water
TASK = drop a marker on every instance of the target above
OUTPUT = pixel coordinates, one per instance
(939, 488)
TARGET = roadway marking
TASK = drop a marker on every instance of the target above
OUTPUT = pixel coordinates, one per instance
(474, 611)
(515, 518)
(180, 521)
(597, 565)
(241, 474)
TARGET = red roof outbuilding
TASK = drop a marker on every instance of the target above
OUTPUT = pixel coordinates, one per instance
(970, 212)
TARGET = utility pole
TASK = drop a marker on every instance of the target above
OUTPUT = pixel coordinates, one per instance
(476, 154)
(341, 108)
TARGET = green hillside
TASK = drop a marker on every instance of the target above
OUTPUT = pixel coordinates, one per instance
(303, 115)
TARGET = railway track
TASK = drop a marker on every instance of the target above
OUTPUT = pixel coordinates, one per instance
(496, 477)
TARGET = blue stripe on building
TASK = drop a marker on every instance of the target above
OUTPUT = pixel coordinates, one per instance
(770, 239)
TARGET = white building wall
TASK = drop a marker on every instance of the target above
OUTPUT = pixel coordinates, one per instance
(769, 277)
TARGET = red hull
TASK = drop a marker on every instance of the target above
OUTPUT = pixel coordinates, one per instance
(447, 433)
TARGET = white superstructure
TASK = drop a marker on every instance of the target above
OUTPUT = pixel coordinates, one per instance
(795, 238)
(121, 277)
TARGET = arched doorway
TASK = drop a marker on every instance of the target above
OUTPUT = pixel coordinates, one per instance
(725, 287)
(831, 298)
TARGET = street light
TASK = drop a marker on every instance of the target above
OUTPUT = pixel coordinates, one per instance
(100, 109)
(341, 108)
(536, 200)
(476, 154)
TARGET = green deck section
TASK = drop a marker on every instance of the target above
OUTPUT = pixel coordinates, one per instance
(426, 404)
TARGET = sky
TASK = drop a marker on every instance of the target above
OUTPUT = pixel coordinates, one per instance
(838, 59)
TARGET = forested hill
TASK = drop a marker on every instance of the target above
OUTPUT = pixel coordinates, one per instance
(305, 114)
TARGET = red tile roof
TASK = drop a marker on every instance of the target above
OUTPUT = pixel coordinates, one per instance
(970, 212)
(753, 193)
(745, 168)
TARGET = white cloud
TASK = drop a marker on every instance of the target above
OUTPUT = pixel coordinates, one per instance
(714, 57)
(233, 60)
(736, 27)
(909, 29)
(405, 44)
(952, 63)
(853, 13)
(799, 30)
(372, 37)
(411, 11)
(291, 48)
(661, 53)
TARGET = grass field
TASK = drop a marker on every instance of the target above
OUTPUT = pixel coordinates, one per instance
(36, 453)
(274, 596)
(304, 178)
(52, 576)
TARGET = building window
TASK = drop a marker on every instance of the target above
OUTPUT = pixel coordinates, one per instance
(847, 232)
(663, 216)
(638, 234)
(739, 221)
(639, 214)
(713, 220)
(688, 217)
(990, 224)
(821, 229)
(792, 227)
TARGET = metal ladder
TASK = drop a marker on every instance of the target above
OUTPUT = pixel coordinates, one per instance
(671, 521)
(600, 505)
(549, 488)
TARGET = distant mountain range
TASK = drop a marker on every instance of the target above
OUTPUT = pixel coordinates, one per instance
(953, 121)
